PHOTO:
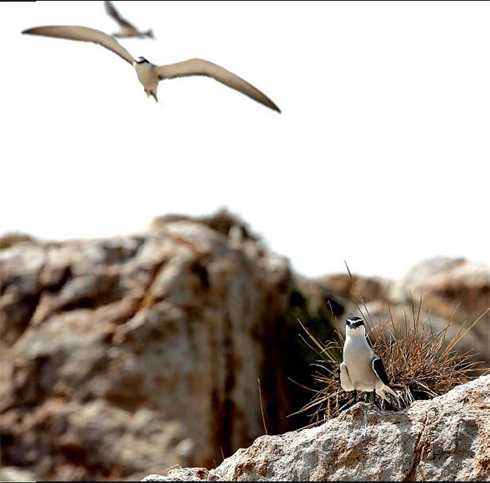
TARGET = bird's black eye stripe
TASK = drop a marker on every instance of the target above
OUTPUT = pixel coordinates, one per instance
(355, 322)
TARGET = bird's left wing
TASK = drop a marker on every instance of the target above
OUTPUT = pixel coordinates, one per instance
(379, 370)
(85, 34)
(345, 380)
(203, 67)
(112, 11)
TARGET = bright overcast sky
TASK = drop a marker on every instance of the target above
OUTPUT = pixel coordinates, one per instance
(381, 156)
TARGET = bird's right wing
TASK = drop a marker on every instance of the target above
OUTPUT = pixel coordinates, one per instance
(111, 10)
(203, 67)
(379, 370)
(85, 34)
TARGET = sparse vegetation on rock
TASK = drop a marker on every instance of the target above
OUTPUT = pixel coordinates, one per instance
(421, 364)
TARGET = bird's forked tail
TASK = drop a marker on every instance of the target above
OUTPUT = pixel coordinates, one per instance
(153, 94)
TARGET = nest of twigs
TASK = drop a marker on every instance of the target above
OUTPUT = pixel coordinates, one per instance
(421, 364)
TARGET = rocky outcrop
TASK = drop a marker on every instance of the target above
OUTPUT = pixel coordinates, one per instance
(448, 286)
(11, 473)
(355, 287)
(443, 439)
(223, 221)
(10, 239)
(142, 352)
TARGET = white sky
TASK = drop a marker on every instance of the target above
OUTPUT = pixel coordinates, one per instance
(381, 156)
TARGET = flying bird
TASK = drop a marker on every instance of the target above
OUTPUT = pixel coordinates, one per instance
(362, 369)
(127, 29)
(150, 74)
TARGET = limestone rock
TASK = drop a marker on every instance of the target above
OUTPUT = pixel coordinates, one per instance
(452, 287)
(369, 288)
(11, 473)
(446, 438)
(448, 286)
(140, 352)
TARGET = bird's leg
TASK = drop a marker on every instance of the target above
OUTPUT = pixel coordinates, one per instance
(355, 396)
(374, 395)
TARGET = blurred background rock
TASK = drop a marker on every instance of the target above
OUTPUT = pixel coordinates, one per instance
(138, 353)
(126, 356)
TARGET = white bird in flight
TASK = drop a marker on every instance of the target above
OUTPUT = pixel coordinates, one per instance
(127, 28)
(150, 74)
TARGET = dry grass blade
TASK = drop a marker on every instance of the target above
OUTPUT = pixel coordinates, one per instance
(261, 407)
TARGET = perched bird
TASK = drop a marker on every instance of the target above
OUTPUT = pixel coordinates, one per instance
(149, 74)
(127, 28)
(362, 369)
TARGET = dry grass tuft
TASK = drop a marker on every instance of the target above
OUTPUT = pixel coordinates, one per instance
(418, 362)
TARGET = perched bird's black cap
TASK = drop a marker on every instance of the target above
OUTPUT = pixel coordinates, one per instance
(354, 322)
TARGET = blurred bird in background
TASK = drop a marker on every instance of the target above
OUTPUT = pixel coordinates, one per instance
(127, 29)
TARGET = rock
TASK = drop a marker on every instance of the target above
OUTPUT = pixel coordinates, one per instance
(447, 286)
(11, 473)
(368, 288)
(223, 222)
(320, 297)
(452, 288)
(446, 438)
(143, 352)
(10, 239)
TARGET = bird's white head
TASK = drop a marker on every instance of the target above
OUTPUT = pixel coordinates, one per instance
(354, 327)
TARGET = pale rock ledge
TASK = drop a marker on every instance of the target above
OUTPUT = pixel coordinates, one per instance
(446, 438)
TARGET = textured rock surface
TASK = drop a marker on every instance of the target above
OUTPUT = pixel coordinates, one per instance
(446, 438)
(137, 353)
(11, 473)
(451, 287)
(448, 285)
(369, 288)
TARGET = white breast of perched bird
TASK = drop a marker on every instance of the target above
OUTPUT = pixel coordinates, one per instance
(362, 369)
(357, 357)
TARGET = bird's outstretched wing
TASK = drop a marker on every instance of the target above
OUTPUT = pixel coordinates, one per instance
(84, 34)
(379, 370)
(112, 11)
(203, 67)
